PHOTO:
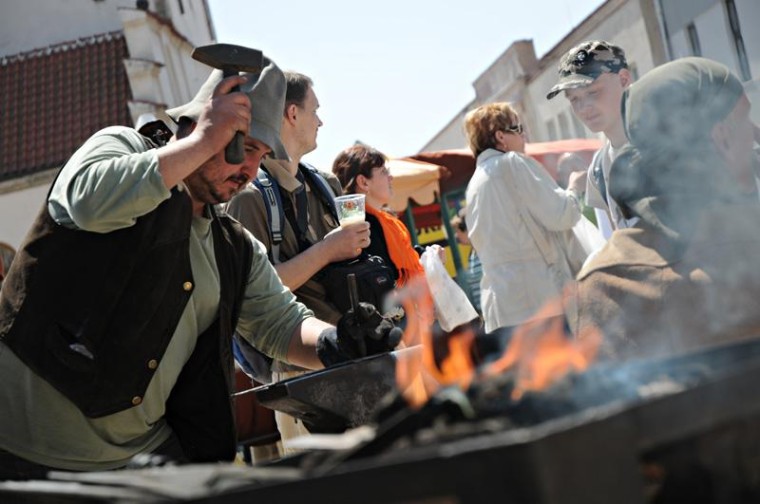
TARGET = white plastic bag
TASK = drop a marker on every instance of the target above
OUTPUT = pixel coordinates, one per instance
(588, 235)
(451, 304)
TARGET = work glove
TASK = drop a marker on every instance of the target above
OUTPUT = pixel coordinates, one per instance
(358, 334)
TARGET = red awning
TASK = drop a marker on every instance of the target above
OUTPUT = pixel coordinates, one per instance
(459, 164)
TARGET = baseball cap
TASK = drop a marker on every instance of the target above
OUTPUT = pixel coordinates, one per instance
(582, 64)
(266, 91)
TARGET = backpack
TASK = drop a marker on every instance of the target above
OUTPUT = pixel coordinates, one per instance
(270, 190)
(374, 277)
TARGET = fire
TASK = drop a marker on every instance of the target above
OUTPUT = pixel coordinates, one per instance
(539, 353)
(420, 378)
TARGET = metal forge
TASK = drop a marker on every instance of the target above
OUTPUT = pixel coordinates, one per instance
(681, 429)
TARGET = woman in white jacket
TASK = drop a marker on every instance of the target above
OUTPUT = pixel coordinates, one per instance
(512, 202)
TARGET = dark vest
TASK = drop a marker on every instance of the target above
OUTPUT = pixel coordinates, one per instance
(93, 313)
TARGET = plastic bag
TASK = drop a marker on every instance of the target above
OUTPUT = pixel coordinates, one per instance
(451, 304)
(588, 235)
(576, 245)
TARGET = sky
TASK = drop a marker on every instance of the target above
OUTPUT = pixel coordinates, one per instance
(391, 73)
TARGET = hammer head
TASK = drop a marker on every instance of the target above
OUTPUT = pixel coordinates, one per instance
(230, 58)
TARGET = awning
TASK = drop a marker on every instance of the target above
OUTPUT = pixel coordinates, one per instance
(459, 164)
(414, 180)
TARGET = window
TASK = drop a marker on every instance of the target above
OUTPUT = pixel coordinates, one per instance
(693, 37)
(162, 9)
(741, 52)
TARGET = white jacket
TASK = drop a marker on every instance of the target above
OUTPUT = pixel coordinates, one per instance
(516, 281)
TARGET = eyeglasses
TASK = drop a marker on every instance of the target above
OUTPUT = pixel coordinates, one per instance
(516, 129)
(383, 170)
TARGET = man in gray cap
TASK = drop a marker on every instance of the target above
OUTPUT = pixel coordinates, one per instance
(685, 276)
(116, 319)
(593, 76)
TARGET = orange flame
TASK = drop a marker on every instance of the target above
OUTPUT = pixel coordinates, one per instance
(539, 353)
(421, 376)
(413, 382)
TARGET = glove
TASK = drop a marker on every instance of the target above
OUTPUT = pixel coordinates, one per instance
(359, 334)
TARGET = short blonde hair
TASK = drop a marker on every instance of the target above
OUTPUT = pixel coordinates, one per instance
(482, 123)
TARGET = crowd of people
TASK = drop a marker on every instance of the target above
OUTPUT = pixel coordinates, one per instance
(177, 259)
(675, 192)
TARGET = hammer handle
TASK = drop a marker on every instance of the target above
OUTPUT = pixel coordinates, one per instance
(234, 153)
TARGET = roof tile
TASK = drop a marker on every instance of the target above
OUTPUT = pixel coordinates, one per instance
(54, 98)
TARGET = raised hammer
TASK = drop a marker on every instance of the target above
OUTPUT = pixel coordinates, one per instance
(231, 59)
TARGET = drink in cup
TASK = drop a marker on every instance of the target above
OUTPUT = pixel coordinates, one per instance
(350, 208)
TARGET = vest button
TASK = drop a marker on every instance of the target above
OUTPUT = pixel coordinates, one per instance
(187, 286)
(152, 364)
(136, 400)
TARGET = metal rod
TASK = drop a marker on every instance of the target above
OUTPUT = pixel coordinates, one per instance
(353, 291)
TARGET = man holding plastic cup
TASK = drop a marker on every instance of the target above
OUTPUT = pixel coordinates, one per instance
(312, 237)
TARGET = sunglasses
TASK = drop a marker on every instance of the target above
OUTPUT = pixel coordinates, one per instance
(516, 129)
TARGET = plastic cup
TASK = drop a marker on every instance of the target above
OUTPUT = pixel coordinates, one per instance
(350, 208)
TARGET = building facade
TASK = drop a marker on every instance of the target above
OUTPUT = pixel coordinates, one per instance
(651, 32)
(69, 68)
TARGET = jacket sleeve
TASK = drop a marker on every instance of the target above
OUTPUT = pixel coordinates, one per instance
(554, 208)
(110, 181)
(269, 313)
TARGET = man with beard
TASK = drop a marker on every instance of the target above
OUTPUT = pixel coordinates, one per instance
(116, 319)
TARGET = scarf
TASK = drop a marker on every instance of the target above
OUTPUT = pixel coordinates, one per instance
(399, 243)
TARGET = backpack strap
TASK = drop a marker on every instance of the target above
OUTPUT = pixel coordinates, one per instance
(326, 193)
(270, 190)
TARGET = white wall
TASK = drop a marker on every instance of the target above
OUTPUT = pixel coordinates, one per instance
(31, 24)
(192, 24)
(679, 44)
(19, 209)
(450, 137)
